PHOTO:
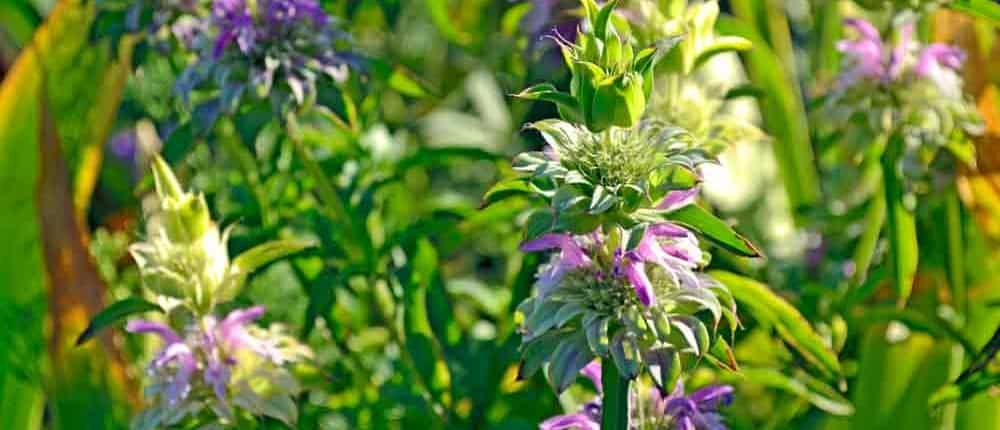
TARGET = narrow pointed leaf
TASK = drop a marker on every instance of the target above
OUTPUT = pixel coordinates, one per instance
(267, 252)
(115, 313)
(714, 229)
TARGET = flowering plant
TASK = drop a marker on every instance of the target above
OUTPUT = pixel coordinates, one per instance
(625, 284)
(208, 366)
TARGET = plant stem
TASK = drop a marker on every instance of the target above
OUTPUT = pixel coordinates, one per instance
(614, 408)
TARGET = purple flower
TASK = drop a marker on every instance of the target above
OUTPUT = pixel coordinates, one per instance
(865, 52)
(697, 411)
(874, 59)
(235, 24)
(210, 347)
(550, 17)
(571, 256)
(175, 354)
(294, 12)
(938, 55)
(669, 246)
(678, 199)
(589, 416)
(124, 145)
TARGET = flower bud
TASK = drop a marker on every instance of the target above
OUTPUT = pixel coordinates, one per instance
(185, 215)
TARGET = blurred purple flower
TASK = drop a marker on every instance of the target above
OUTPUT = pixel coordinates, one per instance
(295, 12)
(124, 145)
(697, 411)
(210, 347)
(589, 416)
(677, 199)
(175, 352)
(874, 59)
(865, 52)
(550, 17)
(938, 55)
(235, 24)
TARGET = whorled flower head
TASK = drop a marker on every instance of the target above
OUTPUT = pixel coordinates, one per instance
(609, 174)
(216, 365)
(677, 411)
(265, 45)
(633, 300)
(869, 58)
(903, 87)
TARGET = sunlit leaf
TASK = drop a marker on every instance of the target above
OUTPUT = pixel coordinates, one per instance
(710, 227)
(801, 384)
(768, 307)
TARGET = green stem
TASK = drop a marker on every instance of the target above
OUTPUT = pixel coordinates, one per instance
(614, 408)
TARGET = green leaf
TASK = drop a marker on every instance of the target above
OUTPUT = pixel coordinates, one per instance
(769, 308)
(720, 45)
(865, 249)
(445, 23)
(115, 313)
(567, 361)
(801, 385)
(537, 352)
(402, 81)
(966, 389)
(265, 253)
(985, 9)
(506, 189)
(603, 19)
(664, 365)
(695, 333)
(715, 230)
(983, 357)
(569, 108)
(596, 329)
(601, 200)
(83, 86)
(900, 221)
(421, 343)
(918, 322)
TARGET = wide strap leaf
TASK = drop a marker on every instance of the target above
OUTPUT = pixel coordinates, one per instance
(801, 385)
(900, 222)
(769, 308)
